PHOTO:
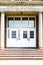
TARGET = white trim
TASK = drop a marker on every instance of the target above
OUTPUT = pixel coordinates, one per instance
(40, 30)
(12, 0)
(30, 0)
(21, 8)
(2, 30)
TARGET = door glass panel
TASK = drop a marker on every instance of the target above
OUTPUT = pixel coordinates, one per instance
(10, 22)
(16, 23)
(13, 23)
(24, 22)
(32, 22)
(24, 34)
(25, 18)
(31, 34)
(13, 34)
(10, 18)
(17, 18)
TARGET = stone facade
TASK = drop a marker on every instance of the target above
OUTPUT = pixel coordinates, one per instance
(36, 7)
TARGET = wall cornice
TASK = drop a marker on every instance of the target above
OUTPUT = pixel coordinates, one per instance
(38, 3)
(21, 8)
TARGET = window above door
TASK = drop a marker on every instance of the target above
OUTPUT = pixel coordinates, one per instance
(31, 22)
(19, 22)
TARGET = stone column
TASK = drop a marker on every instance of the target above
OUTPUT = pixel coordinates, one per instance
(30, 0)
(40, 30)
(2, 29)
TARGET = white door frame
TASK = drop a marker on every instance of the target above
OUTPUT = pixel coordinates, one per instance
(24, 16)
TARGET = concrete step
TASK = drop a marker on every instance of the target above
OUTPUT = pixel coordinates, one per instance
(21, 53)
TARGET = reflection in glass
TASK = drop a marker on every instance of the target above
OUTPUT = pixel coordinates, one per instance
(24, 23)
(24, 34)
(16, 23)
(13, 24)
(10, 24)
(13, 34)
(31, 23)
(31, 34)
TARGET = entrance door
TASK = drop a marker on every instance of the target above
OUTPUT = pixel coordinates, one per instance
(21, 32)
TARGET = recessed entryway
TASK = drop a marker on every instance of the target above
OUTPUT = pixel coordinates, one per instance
(21, 31)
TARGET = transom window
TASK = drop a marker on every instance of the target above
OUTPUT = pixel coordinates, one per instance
(31, 22)
(25, 18)
(19, 22)
(17, 18)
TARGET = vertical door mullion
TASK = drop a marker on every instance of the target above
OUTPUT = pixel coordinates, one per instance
(16, 34)
(11, 33)
(28, 35)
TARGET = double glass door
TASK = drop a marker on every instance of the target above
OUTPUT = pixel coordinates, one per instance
(21, 32)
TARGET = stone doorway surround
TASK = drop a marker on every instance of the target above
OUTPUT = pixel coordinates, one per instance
(4, 9)
(19, 8)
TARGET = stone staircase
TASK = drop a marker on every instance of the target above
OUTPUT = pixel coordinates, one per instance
(21, 54)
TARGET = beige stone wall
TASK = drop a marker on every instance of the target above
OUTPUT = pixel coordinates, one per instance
(5, 0)
(42, 30)
(2, 30)
(18, 0)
